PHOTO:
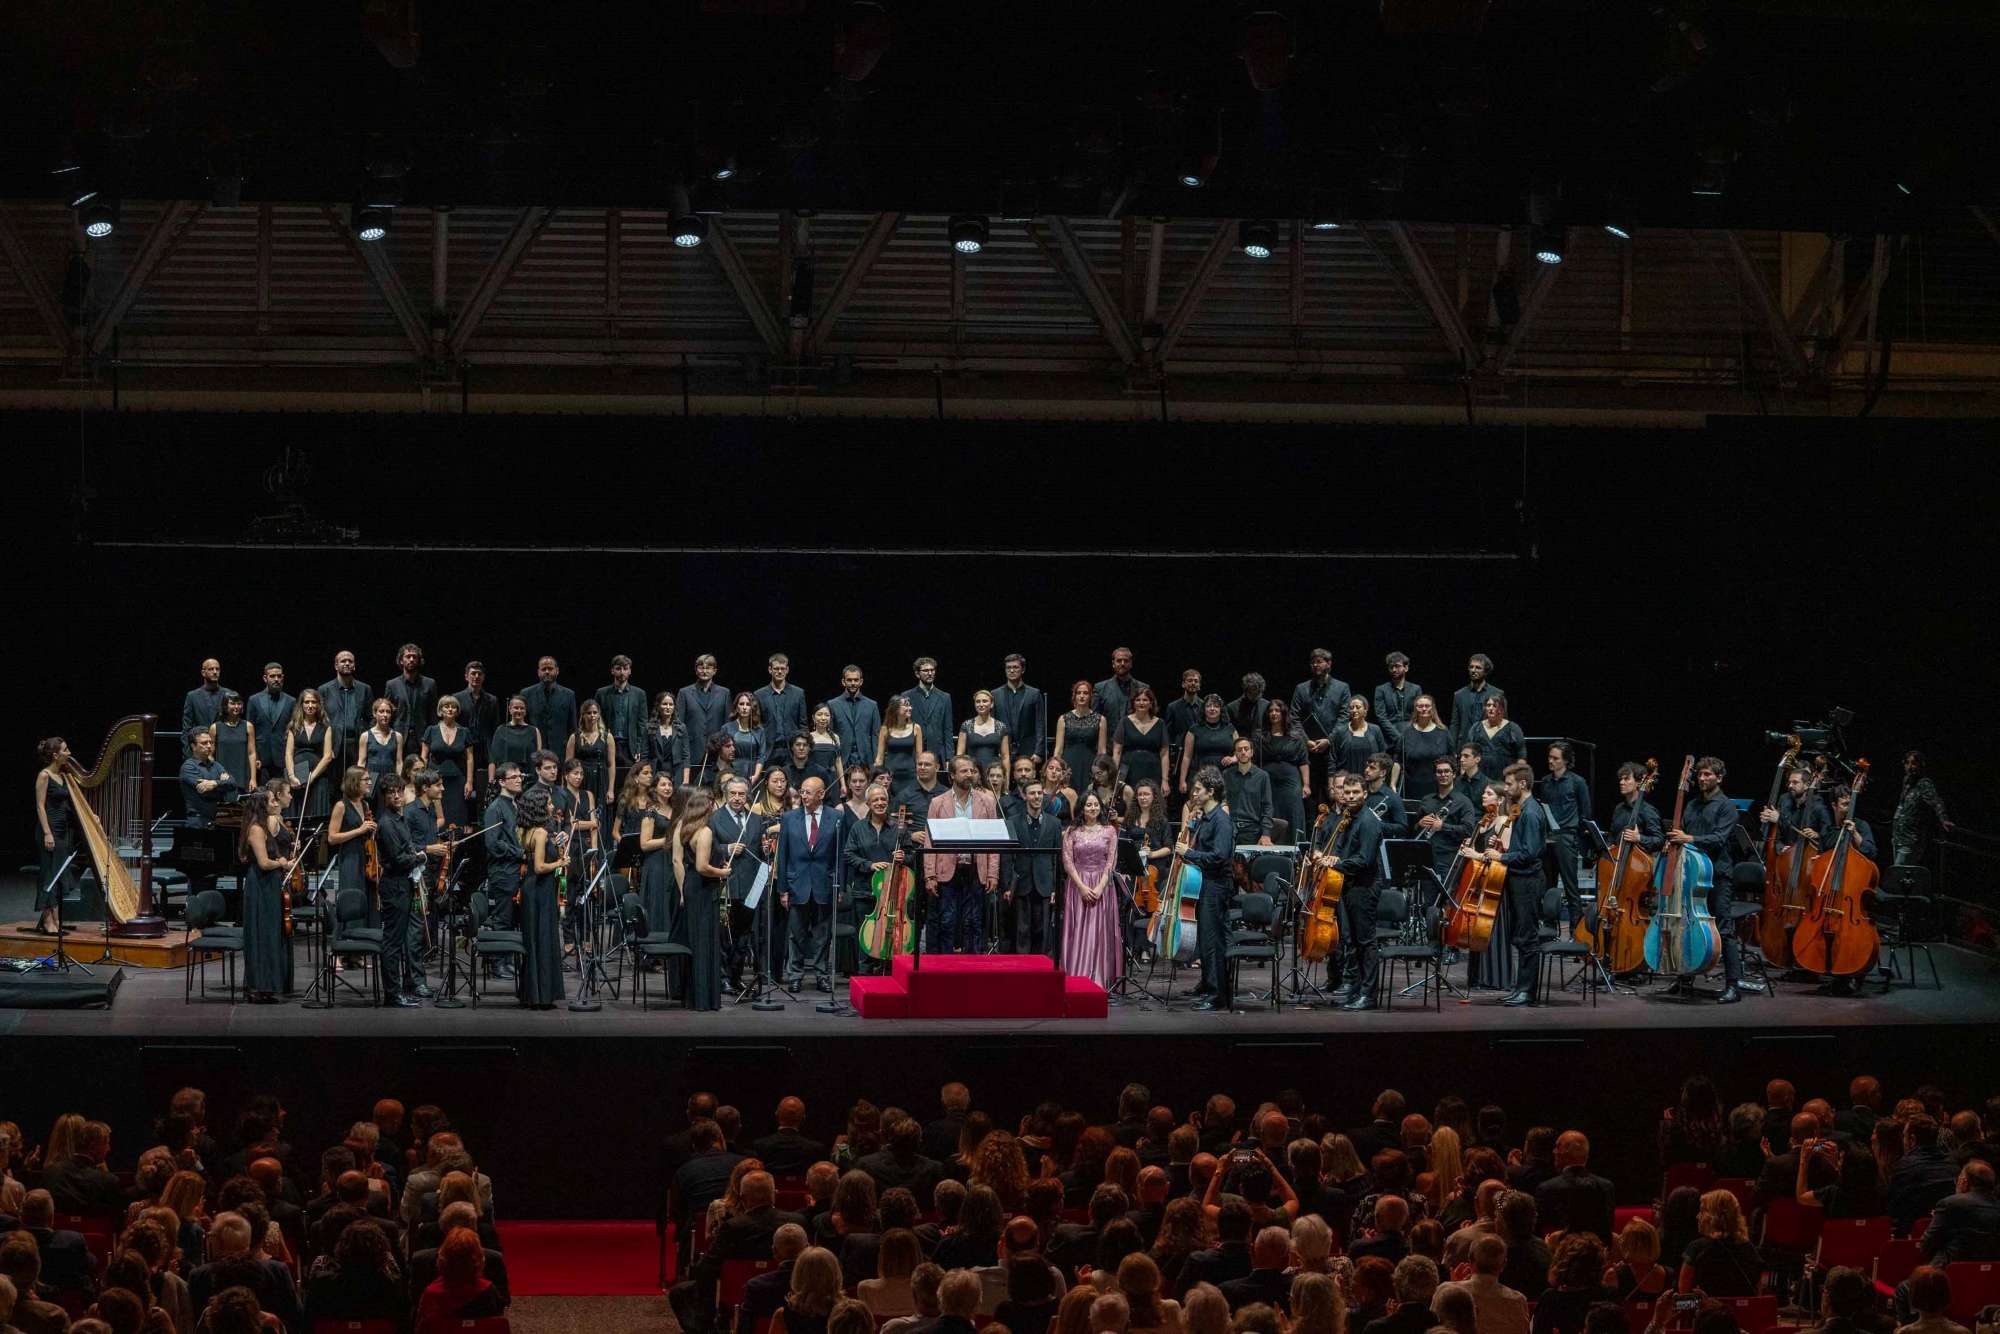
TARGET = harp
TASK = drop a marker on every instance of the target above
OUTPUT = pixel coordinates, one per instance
(113, 802)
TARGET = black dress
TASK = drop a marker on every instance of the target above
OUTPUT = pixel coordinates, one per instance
(450, 759)
(541, 936)
(350, 857)
(56, 803)
(1209, 746)
(308, 744)
(749, 749)
(267, 954)
(232, 751)
(1499, 749)
(1080, 744)
(1281, 758)
(826, 754)
(1419, 753)
(701, 930)
(657, 890)
(596, 757)
(1141, 755)
(899, 756)
(511, 743)
(983, 746)
(380, 755)
(1351, 752)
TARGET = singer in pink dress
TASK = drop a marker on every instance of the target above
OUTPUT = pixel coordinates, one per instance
(1090, 901)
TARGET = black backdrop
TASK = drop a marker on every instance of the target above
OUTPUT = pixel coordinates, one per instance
(1656, 592)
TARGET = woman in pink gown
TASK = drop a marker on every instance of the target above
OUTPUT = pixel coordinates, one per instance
(1090, 902)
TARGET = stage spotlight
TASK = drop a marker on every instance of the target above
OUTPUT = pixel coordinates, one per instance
(1709, 176)
(1547, 243)
(98, 215)
(1323, 213)
(968, 232)
(689, 230)
(1618, 231)
(372, 221)
(1267, 49)
(1259, 238)
(1197, 167)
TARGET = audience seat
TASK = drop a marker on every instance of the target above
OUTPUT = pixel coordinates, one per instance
(99, 1235)
(1893, 1263)
(210, 941)
(1975, 1285)
(1688, 1174)
(1852, 1241)
(1917, 1228)
(736, 1274)
(1742, 1188)
(492, 1324)
(354, 1327)
(1754, 1315)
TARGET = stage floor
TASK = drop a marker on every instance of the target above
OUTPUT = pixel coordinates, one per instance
(150, 1006)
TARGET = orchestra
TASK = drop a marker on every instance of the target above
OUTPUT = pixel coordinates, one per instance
(712, 797)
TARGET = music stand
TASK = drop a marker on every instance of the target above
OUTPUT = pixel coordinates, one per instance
(761, 995)
(951, 837)
(447, 997)
(589, 964)
(319, 996)
(1414, 873)
(1124, 987)
(60, 961)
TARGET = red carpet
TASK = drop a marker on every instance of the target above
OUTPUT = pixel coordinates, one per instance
(583, 1259)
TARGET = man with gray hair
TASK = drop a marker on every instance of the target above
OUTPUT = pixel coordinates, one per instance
(765, 1292)
(748, 1234)
(438, 1149)
(232, 1262)
(1109, 1314)
(958, 1302)
(66, 1261)
(1415, 1280)
(1496, 1308)
(1267, 1281)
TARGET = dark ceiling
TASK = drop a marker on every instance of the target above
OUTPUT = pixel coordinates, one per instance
(1815, 112)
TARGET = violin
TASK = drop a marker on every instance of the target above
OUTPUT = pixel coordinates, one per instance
(1146, 889)
(1319, 930)
(1835, 934)
(1774, 934)
(371, 866)
(1624, 896)
(295, 880)
(1682, 939)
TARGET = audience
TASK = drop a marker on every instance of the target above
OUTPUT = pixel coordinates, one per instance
(1496, 1308)
(1721, 1262)
(1415, 1281)
(1576, 1286)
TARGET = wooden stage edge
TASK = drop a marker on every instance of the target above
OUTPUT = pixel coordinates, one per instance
(18, 940)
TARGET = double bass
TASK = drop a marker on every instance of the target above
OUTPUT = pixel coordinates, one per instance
(1480, 888)
(1625, 897)
(1790, 871)
(1681, 939)
(1319, 929)
(1174, 930)
(1773, 932)
(887, 930)
(1835, 934)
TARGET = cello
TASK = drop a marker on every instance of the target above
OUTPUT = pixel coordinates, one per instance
(1773, 932)
(1479, 887)
(1835, 935)
(1319, 930)
(1146, 887)
(1174, 930)
(887, 931)
(1625, 896)
(1681, 939)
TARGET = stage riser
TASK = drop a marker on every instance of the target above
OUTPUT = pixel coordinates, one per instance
(87, 945)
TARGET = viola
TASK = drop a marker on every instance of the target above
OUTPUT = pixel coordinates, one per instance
(1682, 939)
(1146, 889)
(887, 930)
(1835, 934)
(1319, 930)
(1624, 897)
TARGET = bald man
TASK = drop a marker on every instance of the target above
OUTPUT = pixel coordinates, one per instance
(808, 872)
(788, 1152)
(1575, 1199)
(747, 1234)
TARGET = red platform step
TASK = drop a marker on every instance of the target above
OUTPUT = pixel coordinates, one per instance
(984, 986)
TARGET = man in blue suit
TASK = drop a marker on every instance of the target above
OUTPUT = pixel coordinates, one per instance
(808, 853)
(856, 719)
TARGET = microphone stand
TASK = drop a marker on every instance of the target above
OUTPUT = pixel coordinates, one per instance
(759, 994)
(319, 996)
(60, 961)
(447, 997)
(589, 963)
(838, 1005)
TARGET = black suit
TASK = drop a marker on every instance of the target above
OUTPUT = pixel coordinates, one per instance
(762, 1296)
(1230, 1260)
(744, 1236)
(1033, 879)
(916, 1173)
(788, 1153)
(276, 1292)
(702, 1178)
(1147, 1218)
(1857, 1121)
(66, 1262)
(1374, 1137)
(941, 1141)
(1272, 1286)
(1073, 1244)
(1959, 1224)
(1780, 1177)
(1576, 1201)
(1409, 1318)
(80, 1186)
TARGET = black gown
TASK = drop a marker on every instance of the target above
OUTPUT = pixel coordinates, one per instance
(657, 891)
(701, 930)
(1500, 748)
(541, 937)
(749, 750)
(899, 757)
(1419, 753)
(1079, 750)
(350, 857)
(668, 751)
(1280, 757)
(596, 759)
(450, 759)
(826, 754)
(267, 954)
(983, 746)
(381, 758)
(1209, 746)
(1351, 752)
(56, 804)
(232, 752)
(308, 744)
(1141, 756)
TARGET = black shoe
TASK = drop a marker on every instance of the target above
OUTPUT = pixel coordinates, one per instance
(1748, 985)
(1346, 996)
(505, 972)
(826, 986)
(1358, 1001)
(422, 990)
(1520, 996)
(401, 1002)
(1206, 1005)
(1730, 995)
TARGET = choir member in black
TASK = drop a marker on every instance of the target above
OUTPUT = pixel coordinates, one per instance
(203, 705)
(1421, 742)
(1861, 839)
(1355, 851)
(855, 718)
(52, 801)
(1139, 748)
(994, 780)
(447, 747)
(899, 741)
(412, 695)
(504, 853)
(1212, 851)
(426, 818)
(718, 761)
(1707, 824)
(930, 708)
(1448, 816)
(1527, 840)
(594, 745)
(666, 740)
(633, 801)
(1468, 706)
(1248, 790)
(1081, 734)
(1280, 746)
(310, 746)
(236, 741)
(746, 730)
(1383, 801)
(1023, 708)
(1015, 801)
(381, 749)
(1356, 738)
(703, 707)
(1396, 698)
(1246, 711)
(1112, 696)
(1114, 796)
(703, 873)
(774, 794)
(584, 814)
(983, 736)
(349, 827)
(1030, 880)
(1183, 714)
(1152, 847)
(1634, 820)
(1210, 741)
(856, 784)
(265, 846)
(738, 838)
(480, 709)
(1565, 798)
(1058, 795)
(623, 707)
(512, 742)
(402, 858)
(204, 784)
(827, 747)
(1500, 740)
(541, 984)
(802, 766)
(552, 707)
(1469, 777)
(350, 706)
(659, 877)
(1319, 704)
(270, 712)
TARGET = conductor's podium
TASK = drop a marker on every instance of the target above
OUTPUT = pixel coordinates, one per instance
(977, 986)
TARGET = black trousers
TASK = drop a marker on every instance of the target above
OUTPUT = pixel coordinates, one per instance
(811, 926)
(1563, 848)
(502, 883)
(1212, 937)
(1523, 897)
(1358, 950)
(399, 972)
(1034, 926)
(1721, 906)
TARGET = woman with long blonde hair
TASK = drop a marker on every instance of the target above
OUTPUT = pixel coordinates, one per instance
(1447, 1169)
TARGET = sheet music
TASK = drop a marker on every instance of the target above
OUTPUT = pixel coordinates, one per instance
(966, 831)
(756, 894)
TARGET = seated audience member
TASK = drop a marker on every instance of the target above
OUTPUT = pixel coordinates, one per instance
(924, 1281)
(1485, 1223)
(441, 1146)
(1075, 1245)
(903, 1162)
(1453, 1309)
(787, 1152)
(1527, 1254)
(79, 1184)
(850, 1317)
(1575, 1199)
(947, 1201)
(822, 1179)
(1781, 1171)
(815, 1288)
(980, 1224)
(1312, 1247)
(1386, 1239)
(1965, 1225)
(1204, 1310)
(21, 1265)
(888, 1293)
(126, 1312)
(423, 1265)
(1415, 1282)
(1537, 1160)
(461, 1290)
(1858, 1192)
(958, 1303)
(1030, 1287)
(1139, 1281)
(1496, 1308)
(1110, 1314)
(231, 1311)
(1930, 1296)
(765, 1292)
(150, 1240)
(66, 1262)
(1317, 1306)
(1149, 1201)
(1371, 1291)
(1638, 1272)
(1183, 1233)
(1847, 1305)
(1229, 1258)
(362, 1282)
(1921, 1175)
(1743, 1154)
(1266, 1282)
(1576, 1285)
(1119, 1240)
(744, 1235)
(233, 1261)
(1721, 1262)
